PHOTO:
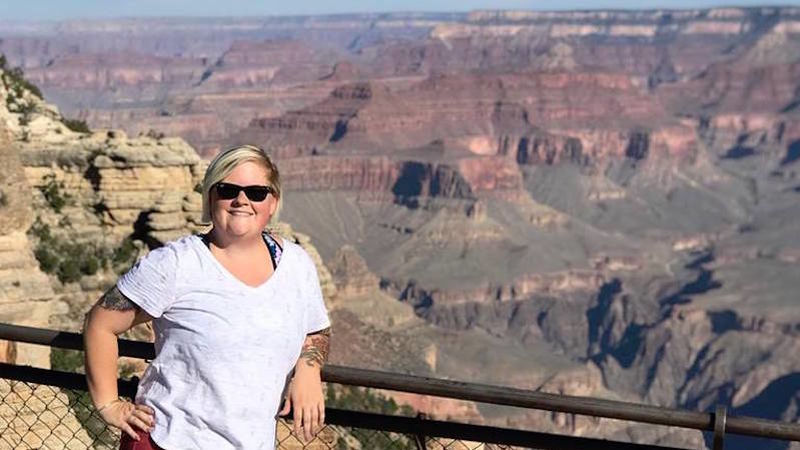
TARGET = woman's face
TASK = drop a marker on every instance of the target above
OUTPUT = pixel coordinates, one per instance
(240, 216)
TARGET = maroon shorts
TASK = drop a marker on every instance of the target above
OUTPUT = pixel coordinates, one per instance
(145, 442)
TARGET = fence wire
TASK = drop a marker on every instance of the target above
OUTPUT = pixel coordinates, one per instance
(41, 417)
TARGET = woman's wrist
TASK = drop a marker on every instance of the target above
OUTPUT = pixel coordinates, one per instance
(307, 373)
(105, 405)
(306, 366)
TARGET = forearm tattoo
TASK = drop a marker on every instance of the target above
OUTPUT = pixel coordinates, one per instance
(115, 300)
(316, 348)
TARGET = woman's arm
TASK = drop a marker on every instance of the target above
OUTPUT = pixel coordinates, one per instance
(315, 349)
(111, 316)
(305, 390)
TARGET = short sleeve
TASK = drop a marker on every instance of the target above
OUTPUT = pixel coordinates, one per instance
(150, 283)
(316, 315)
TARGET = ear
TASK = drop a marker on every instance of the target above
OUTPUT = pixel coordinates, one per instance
(273, 204)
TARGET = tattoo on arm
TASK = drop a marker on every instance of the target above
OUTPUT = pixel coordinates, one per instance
(114, 299)
(316, 348)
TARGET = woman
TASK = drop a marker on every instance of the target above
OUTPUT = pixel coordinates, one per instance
(235, 312)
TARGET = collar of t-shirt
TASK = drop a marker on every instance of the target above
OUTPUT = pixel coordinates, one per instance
(275, 249)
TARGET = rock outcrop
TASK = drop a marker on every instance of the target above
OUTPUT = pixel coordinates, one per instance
(142, 186)
(351, 274)
(27, 298)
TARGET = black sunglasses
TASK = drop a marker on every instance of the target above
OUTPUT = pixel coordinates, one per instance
(256, 193)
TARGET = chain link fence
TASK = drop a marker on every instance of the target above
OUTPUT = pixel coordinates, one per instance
(36, 416)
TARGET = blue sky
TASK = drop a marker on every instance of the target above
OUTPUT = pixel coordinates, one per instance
(71, 9)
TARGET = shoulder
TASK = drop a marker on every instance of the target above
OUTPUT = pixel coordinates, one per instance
(171, 252)
(300, 255)
(181, 246)
(185, 243)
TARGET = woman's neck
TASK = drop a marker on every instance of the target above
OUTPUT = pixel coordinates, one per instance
(234, 244)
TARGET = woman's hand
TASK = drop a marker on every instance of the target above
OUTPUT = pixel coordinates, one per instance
(126, 415)
(305, 389)
(305, 394)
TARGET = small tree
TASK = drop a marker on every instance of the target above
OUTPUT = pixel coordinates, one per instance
(76, 125)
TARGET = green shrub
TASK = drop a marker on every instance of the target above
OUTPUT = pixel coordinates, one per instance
(151, 133)
(363, 399)
(53, 195)
(68, 272)
(71, 260)
(123, 257)
(15, 83)
(66, 360)
(14, 79)
(39, 229)
(76, 125)
(26, 110)
(48, 260)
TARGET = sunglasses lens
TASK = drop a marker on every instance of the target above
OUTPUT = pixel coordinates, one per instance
(227, 191)
(256, 193)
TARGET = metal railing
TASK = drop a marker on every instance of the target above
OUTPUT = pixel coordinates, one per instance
(409, 432)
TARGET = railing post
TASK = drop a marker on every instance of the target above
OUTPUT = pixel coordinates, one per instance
(419, 438)
(720, 417)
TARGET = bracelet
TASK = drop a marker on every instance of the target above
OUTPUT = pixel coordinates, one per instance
(100, 409)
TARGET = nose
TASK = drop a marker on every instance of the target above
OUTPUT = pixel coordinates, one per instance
(241, 199)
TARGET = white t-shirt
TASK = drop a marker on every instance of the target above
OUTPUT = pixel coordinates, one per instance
(223, 348)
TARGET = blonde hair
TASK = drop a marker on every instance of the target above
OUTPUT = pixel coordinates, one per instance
(224, 163)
